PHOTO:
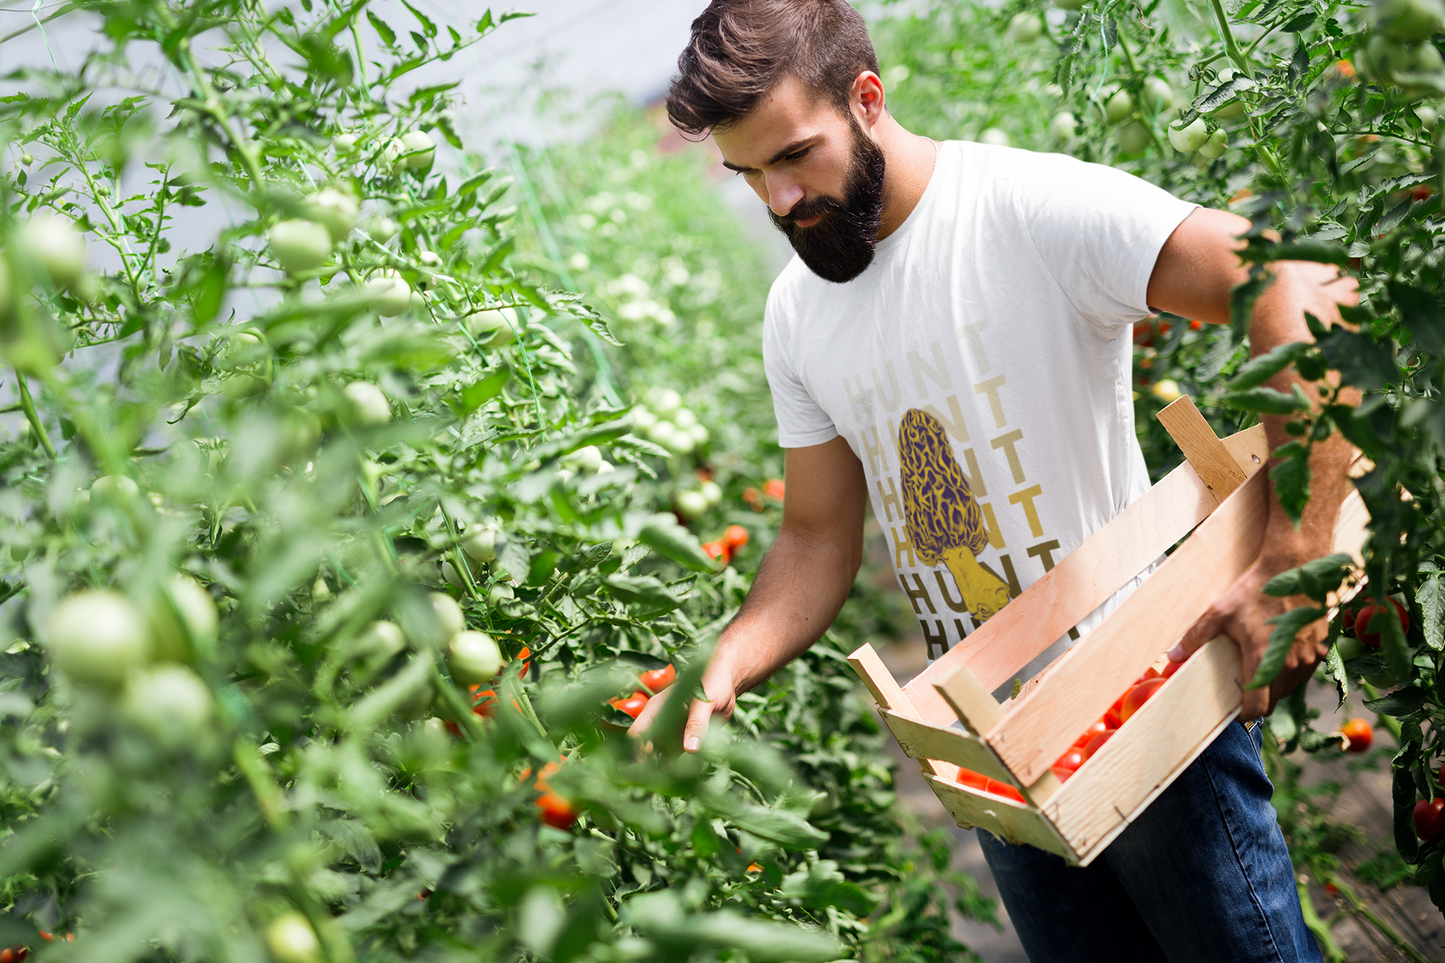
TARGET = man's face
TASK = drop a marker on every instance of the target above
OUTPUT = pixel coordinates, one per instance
(819, 173)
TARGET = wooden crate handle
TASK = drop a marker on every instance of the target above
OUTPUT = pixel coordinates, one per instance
(1206, 454)
(889, 695)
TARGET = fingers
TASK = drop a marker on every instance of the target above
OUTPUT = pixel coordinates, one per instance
(1208, 625)
(643, 722)
(697, 722)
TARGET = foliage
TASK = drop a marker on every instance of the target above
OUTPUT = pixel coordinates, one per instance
(1334, 157)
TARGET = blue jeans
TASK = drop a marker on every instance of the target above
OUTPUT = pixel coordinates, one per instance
(1203, 876)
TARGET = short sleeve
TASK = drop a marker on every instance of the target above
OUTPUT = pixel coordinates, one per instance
(1099, 231)
(801, 421)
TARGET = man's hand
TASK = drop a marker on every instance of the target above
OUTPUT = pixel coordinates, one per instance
(1193, 277)
(721, 695)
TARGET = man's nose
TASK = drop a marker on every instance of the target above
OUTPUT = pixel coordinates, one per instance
(781, 193)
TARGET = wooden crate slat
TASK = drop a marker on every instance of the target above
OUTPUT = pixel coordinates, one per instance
(1145, 755)
(1089, 677)
(974, 705)
(1204, 451)
(1002, 817)
(923, 741)
(890, 698)
(1249, 448)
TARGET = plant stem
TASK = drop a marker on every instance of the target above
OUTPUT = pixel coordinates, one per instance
(1389, 722)
(1317, 926)
(1230, 46)
(1358, 908)
(27, 404)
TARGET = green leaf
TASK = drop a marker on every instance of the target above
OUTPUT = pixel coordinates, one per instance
(1360, 360)
(1431, 599)
(665, 536)
(1401, 702)
(1402, 792)
(1422, 315)
(1259, 370)
(479, 393)
(1267, 401)
(1286, 627)
(1291, 479)
(642, 590)
(1316, 578)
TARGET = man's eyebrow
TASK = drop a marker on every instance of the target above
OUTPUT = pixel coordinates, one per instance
(792, 148)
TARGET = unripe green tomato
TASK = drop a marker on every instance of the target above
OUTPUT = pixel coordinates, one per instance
(1157, 95)
(1229, 110)
(1063, 127)
(241, 385)
(420, 149)
(369, 407)
(690, 504)
(684, 418)
(27, 159)
(494, 327)
(713, 492)
(1427, 59)
(665, 401)
(501, 592)
(344, 143)
(97, 637)
(449, 617)
(299, 245)
(335, 210)
(382, 229)
(1350, 647)
(1382, 680)
(679, 442)
(291, 939)
(699, 434)
(584, 459)
(117, 489)
(1386, 57)
(391, 155)
(481, 542)
(1189, 139)
(170, 703)
(389, 293)
(1119, 107)
(185, 618)
(429, 259)
(1214, 148)
(642, 419)
(473, 658)
(383, 638)
(1427, 116)
(1132, 138)
(1410, 20)
(57, 245)
(1023, 28)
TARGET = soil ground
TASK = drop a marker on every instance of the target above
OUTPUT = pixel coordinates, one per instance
(1354, 793)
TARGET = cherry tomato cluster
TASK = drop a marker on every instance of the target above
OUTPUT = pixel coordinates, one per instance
(772, 489)
(1103, 728)
(732, 541)
(484, 701)
(977, 780)
(653, 682)
(15, 954)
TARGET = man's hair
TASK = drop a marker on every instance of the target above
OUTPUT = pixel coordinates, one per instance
(740, 49)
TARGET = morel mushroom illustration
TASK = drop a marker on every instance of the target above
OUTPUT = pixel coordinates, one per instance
(944, 522)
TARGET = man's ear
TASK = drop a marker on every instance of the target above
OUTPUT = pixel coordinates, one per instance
(866, 99)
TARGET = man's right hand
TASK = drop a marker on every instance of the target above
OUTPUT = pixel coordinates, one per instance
(798, 590)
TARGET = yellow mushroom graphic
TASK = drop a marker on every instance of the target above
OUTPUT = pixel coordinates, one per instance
(944, 522)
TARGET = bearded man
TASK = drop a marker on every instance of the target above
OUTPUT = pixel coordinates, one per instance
(965, 310)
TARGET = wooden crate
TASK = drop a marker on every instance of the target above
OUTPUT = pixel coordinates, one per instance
(1220, 495)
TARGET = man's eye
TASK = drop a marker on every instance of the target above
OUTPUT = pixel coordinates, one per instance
(797, 155)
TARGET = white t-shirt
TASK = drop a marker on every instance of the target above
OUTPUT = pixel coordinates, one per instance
(992, 328)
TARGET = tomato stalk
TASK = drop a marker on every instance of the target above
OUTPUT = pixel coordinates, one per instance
(1316, 925)
(27, 405)
(1360, 909)
(1231, 47)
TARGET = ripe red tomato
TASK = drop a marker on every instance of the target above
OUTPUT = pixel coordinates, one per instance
(1149, 673)
(1347, 619)
(1003, 789)
(735, 537)
(1137, 696)
(1062, 773)
(1070, 760)
(1170, 669)
(974, 780)
(525, 655)
(14, 955)
(1099, 726)
(1097, 742)
(1368, 628)
(632, 705)
(1359, 734)
(1113, 719)
(658, 679)
(753, 499)
(773, 488)
(716, 551)
(1430, 820)
(556, 811)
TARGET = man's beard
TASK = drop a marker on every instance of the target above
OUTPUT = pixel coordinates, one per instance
(840, 246)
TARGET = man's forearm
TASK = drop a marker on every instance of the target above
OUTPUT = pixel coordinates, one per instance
(796, 594)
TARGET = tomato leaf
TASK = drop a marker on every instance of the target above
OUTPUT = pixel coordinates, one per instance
(1291, 478)
(1259, 370)
(1401, 702)
(663, 534)
(1315, 578)
(1267, 401)
(1286, 627)
(1431, 599)
(1402, 792)
(1360, 359)
(479, 393)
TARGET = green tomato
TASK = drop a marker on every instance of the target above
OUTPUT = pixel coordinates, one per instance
(494, 327)
(97, 637)
(117, 489)
(1023, 28)
(299, 245)
(419, 149)
(1132, 138)
(1427, 59)
(499, 594)
(1157, 95)
(713, 492)
(184, 618)
(481, 542)
(1350, 647)
(690, 504)
(1385, 57)
(369, 407)
(391, 156)
(584, 459)
(473, 658)
(665, 402)
(1189, 139)
(1119, 107)
(291, 939)
(344, 143)
(1214, 148)
(1427, 115)
(449, 617)
(1063, 127)
(382, 229)
(1410, 20)
(53, 241)
(389, 293)
(1229, 110)
(335, 210)
(170, 703)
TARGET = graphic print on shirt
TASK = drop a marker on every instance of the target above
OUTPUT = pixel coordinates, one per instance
(944, 523)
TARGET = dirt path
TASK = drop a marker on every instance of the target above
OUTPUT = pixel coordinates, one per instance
(1352, 792)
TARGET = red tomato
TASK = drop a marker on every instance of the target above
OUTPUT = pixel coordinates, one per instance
(1170, 669)
(1359, 734)
(1149, 673)
(16, 955)
(1137, 696)
(1347, 619)
(484, 702)
(1368, 627)
(658, 679)
(1430, 820)
(1195, 325)
(717, 551)
(556, 811)
(974, 780)
(525, 655)
(1114, 718)
(1422, 193)
(1097, 742)
(1003, 789)
(1089, 733)
(1062, 773)
(735, 537)
(1070, 760)
(632, 705)
(753, 499)
(773, 488)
